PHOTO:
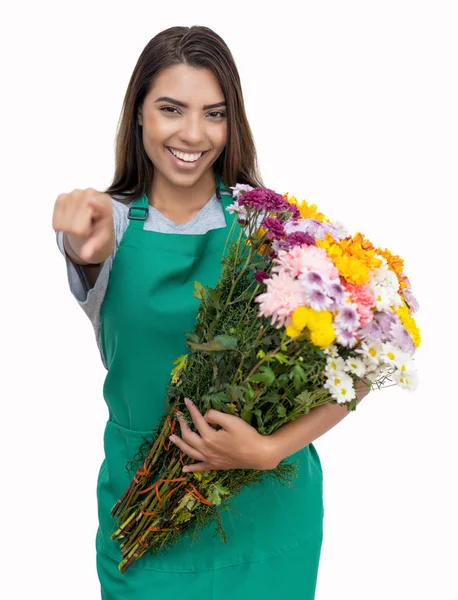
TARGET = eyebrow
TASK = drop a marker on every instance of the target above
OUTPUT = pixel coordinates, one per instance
(184, 105)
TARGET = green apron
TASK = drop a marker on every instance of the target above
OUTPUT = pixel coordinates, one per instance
(274, 532)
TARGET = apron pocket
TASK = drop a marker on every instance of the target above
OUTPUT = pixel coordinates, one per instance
(263, 521)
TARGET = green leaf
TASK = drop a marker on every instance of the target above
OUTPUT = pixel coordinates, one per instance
(215, 400)
(281, 411)
(281, 358)
(246, 415)
(271, 397)
(265, 376)
(258, 415)
(215, 298)
(305, 399)
(260, 354)
(199, 291)
(299, 376)
(218, 343)
(217, 491)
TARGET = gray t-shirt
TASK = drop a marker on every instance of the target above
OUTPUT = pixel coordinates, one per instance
(211, 216)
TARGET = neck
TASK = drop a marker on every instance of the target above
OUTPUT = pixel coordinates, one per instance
(181, 202)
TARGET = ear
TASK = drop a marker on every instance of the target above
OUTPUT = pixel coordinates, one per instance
(140, 120)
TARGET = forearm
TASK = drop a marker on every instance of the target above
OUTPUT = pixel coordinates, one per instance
(297, 434)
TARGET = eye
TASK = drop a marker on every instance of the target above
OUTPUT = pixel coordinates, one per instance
(168, 109)
(218, 112)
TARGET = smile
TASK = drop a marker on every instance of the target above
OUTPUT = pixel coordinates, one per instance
(184, 156)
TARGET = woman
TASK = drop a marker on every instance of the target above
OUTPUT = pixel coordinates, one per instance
(133, 254)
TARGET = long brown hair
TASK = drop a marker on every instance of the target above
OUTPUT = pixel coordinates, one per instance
(196, 46)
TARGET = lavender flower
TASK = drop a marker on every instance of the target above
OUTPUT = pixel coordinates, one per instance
(240, 187)
(336, 292)
(312, 278)
(385, 320)
(409, 297)
(401, 337)
(313, 227)
(347, 318)
(317, 299)
(371, 333)
(344, 337)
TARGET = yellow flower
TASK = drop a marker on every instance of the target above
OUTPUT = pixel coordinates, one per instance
(308, 211)
(292, 332)
(409, 323)
(301, 317)
(180, 363)
(323, 336)
(352, 269)
(322, 318)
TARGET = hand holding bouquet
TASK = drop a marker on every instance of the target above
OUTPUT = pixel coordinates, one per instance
(301, 315)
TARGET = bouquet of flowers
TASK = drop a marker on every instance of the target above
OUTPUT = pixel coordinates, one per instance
(302, 314)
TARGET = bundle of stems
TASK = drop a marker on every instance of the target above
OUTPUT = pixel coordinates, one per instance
(239, 363)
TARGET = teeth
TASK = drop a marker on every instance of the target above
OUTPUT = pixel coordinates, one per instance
(186, 157)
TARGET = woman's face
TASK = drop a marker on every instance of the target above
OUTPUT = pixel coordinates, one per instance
(184, 113)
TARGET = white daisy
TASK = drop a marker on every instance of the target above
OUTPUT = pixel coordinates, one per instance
(341, 388)
(332, 351)
(356, 366)
(370, 352)
(334, 365)
(394, 356)
(406, 379)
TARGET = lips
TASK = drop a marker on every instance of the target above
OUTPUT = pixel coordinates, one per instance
(187, 153)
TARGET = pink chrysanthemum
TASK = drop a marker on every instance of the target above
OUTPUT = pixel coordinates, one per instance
(360, 294)
(284, 294)
(301, 259)
(365, 314)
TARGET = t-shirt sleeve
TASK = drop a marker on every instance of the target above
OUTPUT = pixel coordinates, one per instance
(90, 298)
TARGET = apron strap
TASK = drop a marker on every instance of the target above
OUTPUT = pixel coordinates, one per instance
(138, 212)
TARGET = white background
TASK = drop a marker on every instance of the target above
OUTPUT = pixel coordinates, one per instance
(353, 106)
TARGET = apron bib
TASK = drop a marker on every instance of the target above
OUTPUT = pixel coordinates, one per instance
(148, 307)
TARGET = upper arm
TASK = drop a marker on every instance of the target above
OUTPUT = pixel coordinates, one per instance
(91, 272)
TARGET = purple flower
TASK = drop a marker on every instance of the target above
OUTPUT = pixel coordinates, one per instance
(313, 227)
(371, 333)
(268, 200)
(298, 238)
(317, 299)
(240, 188)
(409, 297)
(345, 337)
(274, 227)
(401, 337)
(347, 318)
(312, 278)
(261, 276)
(336, 292)
(385, 320)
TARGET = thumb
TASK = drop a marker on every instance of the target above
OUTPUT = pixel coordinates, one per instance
(99, 205)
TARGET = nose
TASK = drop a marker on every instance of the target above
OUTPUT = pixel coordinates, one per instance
(192, 130)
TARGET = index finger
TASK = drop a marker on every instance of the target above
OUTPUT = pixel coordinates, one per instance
(198, 419)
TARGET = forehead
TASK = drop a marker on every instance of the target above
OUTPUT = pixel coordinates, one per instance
(193, 85)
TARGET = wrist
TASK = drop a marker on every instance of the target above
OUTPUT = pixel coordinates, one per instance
(272, 455)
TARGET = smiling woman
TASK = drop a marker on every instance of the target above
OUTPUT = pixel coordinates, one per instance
(184, 137)
(183, 141)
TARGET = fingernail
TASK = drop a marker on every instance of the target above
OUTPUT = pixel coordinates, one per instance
(172, 438)
(185, 470)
